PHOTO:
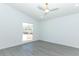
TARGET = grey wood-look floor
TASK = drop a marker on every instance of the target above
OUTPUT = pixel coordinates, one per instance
(40, 48)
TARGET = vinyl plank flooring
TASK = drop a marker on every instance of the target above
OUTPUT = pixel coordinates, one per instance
(2, 53)
(40, 48)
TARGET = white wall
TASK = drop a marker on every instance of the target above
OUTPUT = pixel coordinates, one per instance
(63, 30)
(11, 26)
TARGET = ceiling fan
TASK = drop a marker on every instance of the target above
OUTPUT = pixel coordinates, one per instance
(46, 9)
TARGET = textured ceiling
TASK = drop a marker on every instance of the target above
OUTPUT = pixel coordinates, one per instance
(31, 9)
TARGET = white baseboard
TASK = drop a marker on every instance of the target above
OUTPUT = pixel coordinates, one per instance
(17, 44)
(61, 44)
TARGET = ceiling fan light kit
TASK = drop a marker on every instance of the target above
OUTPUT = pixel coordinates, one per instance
(46, 9)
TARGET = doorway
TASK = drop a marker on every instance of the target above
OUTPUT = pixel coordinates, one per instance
(27, 32)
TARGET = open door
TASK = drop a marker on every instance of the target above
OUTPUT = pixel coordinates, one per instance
(27, 32)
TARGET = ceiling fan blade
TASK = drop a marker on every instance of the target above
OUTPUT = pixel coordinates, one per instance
(54, 9)
(44, 15)
(41, 8)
